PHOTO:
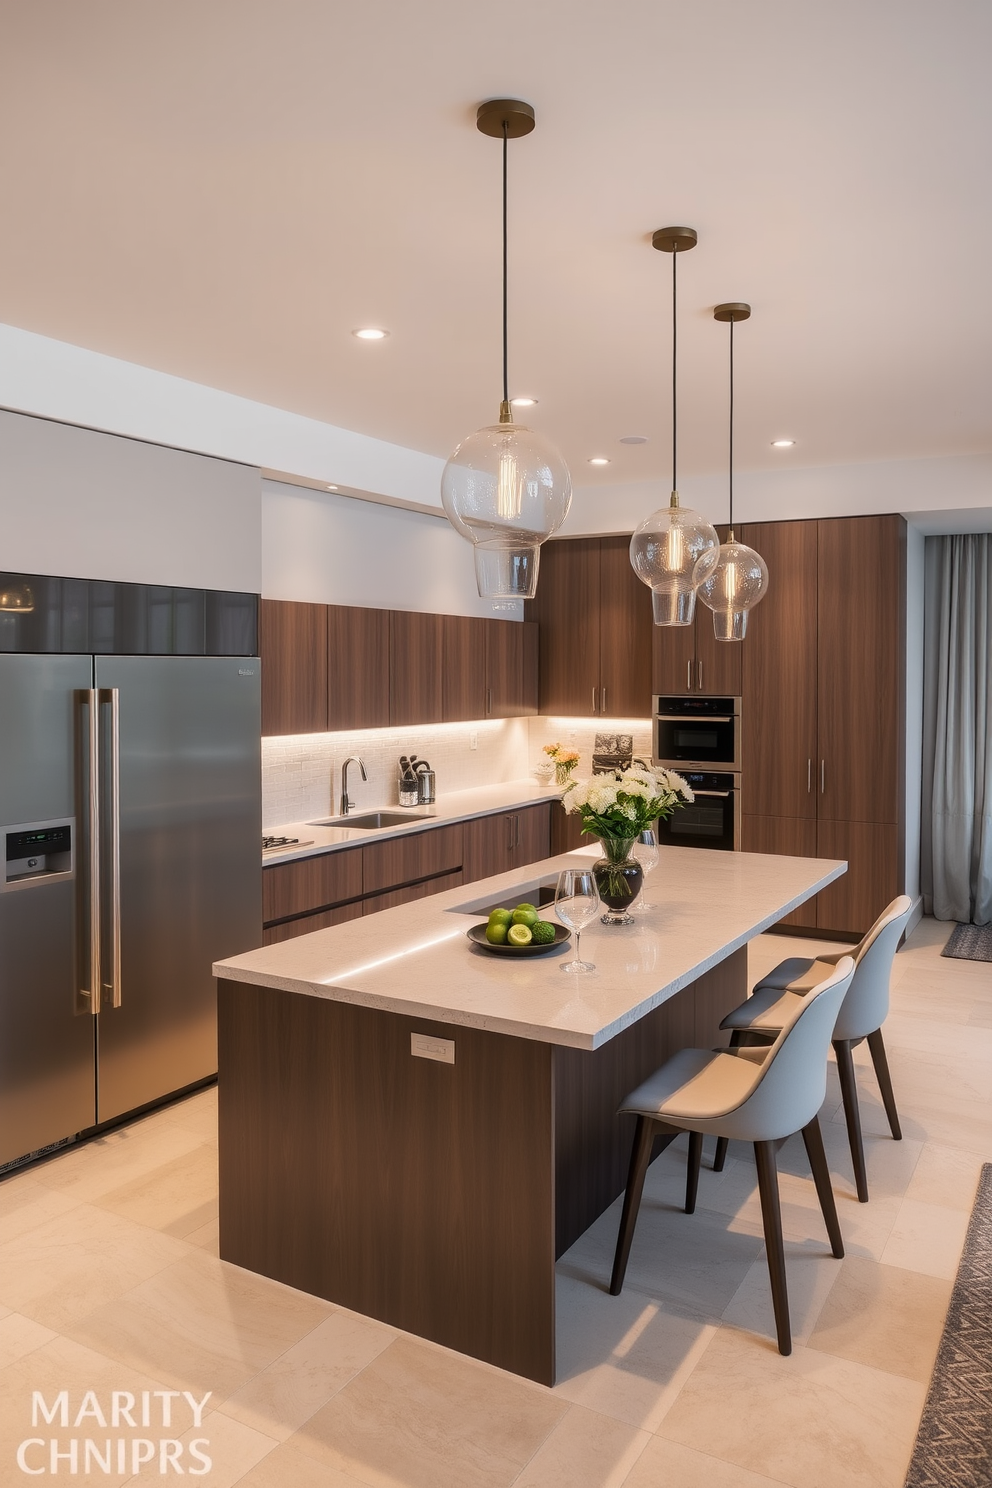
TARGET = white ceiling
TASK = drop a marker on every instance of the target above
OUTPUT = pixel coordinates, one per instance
(225, 190)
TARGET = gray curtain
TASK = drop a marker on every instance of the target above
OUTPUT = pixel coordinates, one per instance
(956, 866)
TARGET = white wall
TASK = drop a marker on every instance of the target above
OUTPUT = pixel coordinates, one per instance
(86, 505)
(789, 492)
(335, 550)
(42, 376)
(914, 705)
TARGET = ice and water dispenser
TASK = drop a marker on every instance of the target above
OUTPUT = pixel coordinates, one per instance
(37, 852)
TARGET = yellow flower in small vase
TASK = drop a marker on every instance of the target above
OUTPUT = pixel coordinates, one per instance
(565, 761)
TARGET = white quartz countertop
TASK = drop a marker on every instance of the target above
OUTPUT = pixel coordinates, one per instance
(416, 959)
(452, 806)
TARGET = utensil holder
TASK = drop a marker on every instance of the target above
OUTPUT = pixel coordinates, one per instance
(426, 788)
(407, 792)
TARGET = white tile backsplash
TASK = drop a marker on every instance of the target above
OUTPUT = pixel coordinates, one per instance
(301, 773)
(580, 734)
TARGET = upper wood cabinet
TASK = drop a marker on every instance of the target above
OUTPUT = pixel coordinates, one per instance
(595, 630)
(823, 714)
(861, 607)
(779, 659)
(292, 642)
(689, 658)
(414, 667)
(490, 668)
(357, 667)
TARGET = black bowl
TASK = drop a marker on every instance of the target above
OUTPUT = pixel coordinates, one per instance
(477, 935)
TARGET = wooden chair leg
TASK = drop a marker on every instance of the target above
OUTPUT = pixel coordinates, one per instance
(877, 1051)
(771, 1218)
(640, 1156)
(813, 1138)
(852, 1113)
(720, 1156)
(692, 1171)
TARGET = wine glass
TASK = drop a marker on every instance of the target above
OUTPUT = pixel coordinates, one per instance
(577, 905)
(645, 850)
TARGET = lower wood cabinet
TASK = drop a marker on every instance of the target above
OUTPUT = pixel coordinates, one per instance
(851, 905)
(495, 844)
(566, 830)
(331, 888)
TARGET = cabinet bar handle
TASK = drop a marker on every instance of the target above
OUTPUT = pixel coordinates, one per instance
(604, 699)
(112, 697)
(594, 700)
(823, 777)
(809, 777)
(699, 669)
(509, 834)
(489, 701)
(688, 676)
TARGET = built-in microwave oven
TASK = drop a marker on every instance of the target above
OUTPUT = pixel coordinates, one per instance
(700, 731)
(714, 818)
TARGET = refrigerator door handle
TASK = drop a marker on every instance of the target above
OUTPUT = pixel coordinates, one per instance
(87, 698)
(111, 698)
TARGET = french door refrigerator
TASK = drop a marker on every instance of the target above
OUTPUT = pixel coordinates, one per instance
(131, 819)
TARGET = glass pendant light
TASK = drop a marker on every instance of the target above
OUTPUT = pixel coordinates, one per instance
(734, 578)
(505, 488)
(667, 545)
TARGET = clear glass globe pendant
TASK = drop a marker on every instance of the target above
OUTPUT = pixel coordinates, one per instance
(670, 542)
(505, 488)
(734, 578)
(664, 552)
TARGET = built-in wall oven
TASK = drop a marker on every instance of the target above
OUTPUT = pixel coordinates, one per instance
(714, 818)
(700, 732)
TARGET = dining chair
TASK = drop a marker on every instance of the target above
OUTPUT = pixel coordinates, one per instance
(862, 1014)
(760, 1095)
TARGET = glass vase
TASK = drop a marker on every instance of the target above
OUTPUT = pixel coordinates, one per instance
(563, 773)
(619, 877)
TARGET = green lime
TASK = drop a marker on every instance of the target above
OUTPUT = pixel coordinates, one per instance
(496, 933)
(543, 933)
(526, 904)
(500, 917)
(519, 935)
(524, 914)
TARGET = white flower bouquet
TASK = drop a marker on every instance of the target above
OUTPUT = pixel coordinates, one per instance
(622, 806)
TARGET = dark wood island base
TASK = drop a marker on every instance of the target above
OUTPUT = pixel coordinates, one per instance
(432, 1196)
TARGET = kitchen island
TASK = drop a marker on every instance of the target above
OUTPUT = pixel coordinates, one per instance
(415, 1128)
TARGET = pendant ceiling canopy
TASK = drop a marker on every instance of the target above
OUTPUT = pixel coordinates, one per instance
(506, 489)
(670, 542)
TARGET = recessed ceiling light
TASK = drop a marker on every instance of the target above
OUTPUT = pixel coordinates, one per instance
(332, 488)
(633, 439)
(523, 402)
(782, 443)
(370, 333)
(599, 460)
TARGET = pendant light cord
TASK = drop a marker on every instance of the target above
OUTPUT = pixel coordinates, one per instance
(675, 359)
(731, 481)
(506, 394)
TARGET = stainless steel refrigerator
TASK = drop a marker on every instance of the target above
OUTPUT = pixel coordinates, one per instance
(131, 817)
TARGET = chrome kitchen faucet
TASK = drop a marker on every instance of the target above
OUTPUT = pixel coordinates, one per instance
(346, 802)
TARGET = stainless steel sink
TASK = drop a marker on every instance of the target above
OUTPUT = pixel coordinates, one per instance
(369, 821)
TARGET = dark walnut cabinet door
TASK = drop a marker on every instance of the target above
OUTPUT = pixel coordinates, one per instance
(718, 663)
(567, 610)
(778, 694)
(464, 683)
(511, 668)
(309, 884)
(532, 834)
(292, 644)
(404, 860)
(861, 618)
(357, 667)
(873, 878)
(625, 625)
(487, 846)
(673, 659)
(789, 837)
(415, 653)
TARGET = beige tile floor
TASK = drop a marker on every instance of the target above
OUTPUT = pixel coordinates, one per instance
(109, 1280)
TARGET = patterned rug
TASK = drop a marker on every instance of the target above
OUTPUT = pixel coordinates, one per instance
(970, 943)
(954, 1443)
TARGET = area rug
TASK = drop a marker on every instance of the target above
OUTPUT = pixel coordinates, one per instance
(954, 1443)
(970, 943)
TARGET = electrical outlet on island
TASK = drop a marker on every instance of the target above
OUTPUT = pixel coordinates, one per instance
(473, 739)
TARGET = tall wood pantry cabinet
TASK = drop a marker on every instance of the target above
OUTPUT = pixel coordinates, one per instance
(823, 709)
(594, 618)
(689, 658)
